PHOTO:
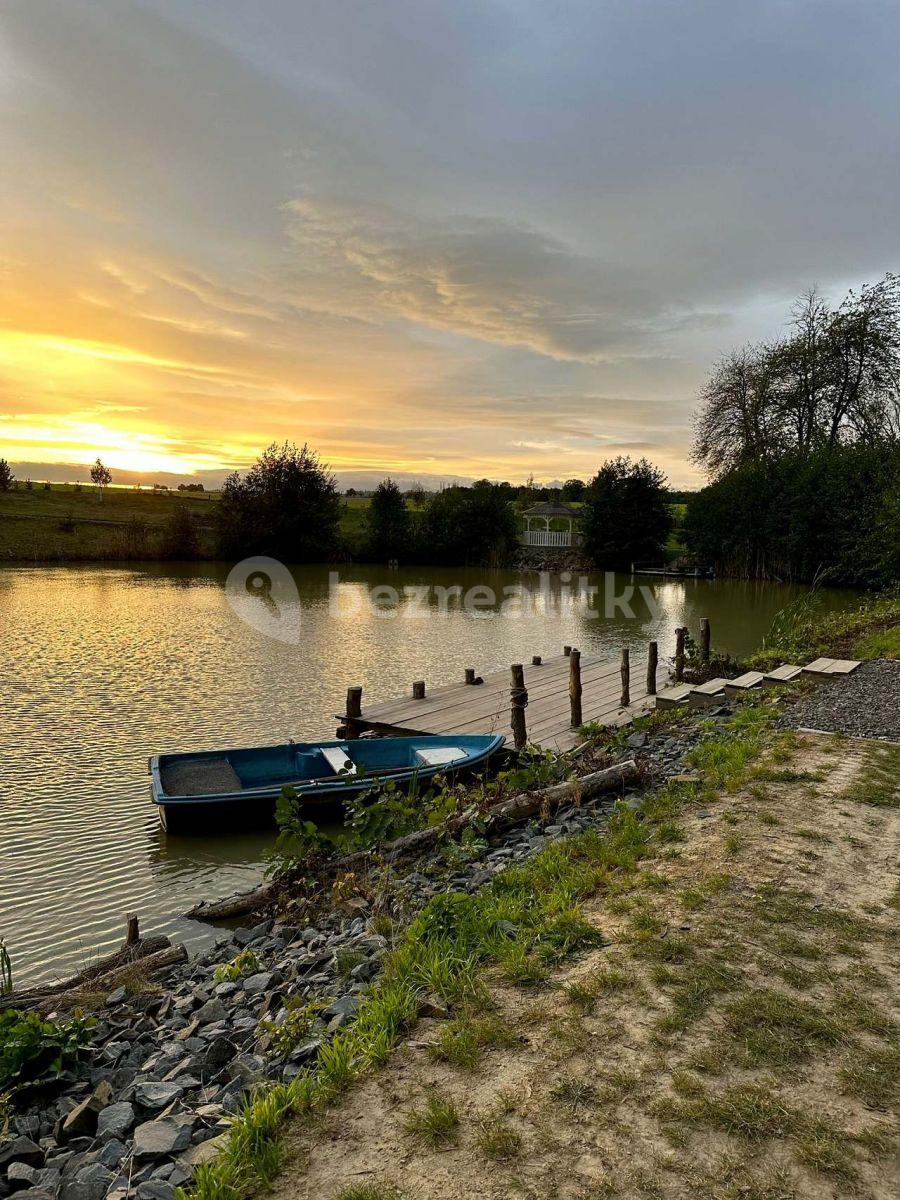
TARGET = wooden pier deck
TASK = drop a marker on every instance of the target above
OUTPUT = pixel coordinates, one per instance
(485, 707)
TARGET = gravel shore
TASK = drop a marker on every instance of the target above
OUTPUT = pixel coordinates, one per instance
(864, 704)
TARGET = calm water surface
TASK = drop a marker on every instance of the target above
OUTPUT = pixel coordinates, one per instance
(103, 666)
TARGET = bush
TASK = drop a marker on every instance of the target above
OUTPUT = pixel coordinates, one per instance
(469, 526)
(285, 506)
(180, 539)
(6, 476)
(832, 515)
(627, 517)
(31, 1047)
(387, 523)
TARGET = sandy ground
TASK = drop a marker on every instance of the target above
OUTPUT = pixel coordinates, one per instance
(653, 1081)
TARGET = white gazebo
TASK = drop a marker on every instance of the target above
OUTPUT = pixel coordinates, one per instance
(541, 515)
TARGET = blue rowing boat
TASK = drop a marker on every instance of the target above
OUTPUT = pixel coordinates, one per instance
(245, 783)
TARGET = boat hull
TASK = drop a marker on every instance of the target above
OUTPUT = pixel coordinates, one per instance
(216, 791)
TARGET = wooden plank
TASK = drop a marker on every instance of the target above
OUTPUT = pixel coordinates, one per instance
(708, 694)
(783, 674)
(844, 666)
(673, 697)
(818, 666)
(747, 682)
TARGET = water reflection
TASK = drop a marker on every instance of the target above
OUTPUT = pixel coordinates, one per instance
(105, 665)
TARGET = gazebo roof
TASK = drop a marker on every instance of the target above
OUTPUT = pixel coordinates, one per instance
(550, 508)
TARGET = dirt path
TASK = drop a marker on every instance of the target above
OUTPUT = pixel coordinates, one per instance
(736, 1039)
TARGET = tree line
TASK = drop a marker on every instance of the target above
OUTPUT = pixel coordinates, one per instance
(800, 438)
(287, 506)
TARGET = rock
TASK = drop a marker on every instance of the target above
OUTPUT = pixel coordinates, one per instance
(20, 1173)
(21, 1149)
(212, 1011)
(116, 997)
(90, 1183)
(344, 1006)
(365, 971)
(35, 1193)
(203, 1153)
(156, 1189)
(82, 1120)
(150, 1094)
(217, 1054)
(159, 1139)
(432, 1006)
(248, 1068)
(637, 740)
(113, 1153)
(263, 981)
(115, 1121)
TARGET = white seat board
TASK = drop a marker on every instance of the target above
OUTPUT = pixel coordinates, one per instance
(439, 756)
(336, 757)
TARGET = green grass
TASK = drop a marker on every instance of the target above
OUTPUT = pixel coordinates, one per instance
(870, 629)
(878, 783)
(371, 1191)
(775, 1029)
(872, 1074)
(437, 1124)
(496, 1138)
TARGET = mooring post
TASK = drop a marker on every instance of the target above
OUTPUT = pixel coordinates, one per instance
(652, 661)
(536, 660)
(518, 698)
(419, 689)
(705, 636)
(354, 712)
(575, 687)
(567, 650)
(132, 929)
(470, 674)
(626, 679)
(679, 654)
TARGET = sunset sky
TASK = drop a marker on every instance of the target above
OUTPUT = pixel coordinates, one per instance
(433, 239)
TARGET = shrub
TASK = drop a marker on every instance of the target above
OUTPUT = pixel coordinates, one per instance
(627, 517)
(31, 1046)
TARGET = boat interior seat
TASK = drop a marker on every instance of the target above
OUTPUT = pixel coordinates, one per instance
(439, 756)
(337, 759)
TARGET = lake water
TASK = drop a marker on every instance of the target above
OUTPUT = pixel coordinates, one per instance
(103, 666)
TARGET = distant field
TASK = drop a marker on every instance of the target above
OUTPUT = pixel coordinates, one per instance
(60, 523)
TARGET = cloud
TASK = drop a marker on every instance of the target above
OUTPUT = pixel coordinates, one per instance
(497, 280)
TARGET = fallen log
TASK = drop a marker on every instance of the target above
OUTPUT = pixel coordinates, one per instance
(508, 812)
(152, 955)
(233, 906)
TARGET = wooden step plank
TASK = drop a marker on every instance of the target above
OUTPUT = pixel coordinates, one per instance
(844, 666)
(673, 697)
(783, 674)
(747, 682)
(818, 666)
(707, 695)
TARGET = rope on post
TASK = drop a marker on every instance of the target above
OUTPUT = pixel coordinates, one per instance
(518, 699)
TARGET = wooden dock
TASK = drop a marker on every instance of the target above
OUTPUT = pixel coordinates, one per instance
(487, 707)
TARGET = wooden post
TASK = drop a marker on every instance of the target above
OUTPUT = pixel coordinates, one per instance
(419, 689)
(567, 650)
(470, 674)
(518, 698)
(575, 687)
(132, 929)
(626, 679)
(652, 661)
(705, 634)
(354, 711)
(679, 654)
(536, 660)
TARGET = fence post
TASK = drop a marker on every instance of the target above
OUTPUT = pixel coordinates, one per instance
(518, 698)
(567, 650)
(354, 711)
(419, 689)
(652, 661)
(575, 687)
(470, 674)
(536, 660)
(679, 655)
(626, 679)
(705, 636)
(132, 929)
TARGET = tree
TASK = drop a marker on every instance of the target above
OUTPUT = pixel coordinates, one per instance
(6, 476)
(626, 514)
(286, 506)
(469, 526)
(180, 540)
(387, 522)
(572, 489)
(101, 476)
(833, 380)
